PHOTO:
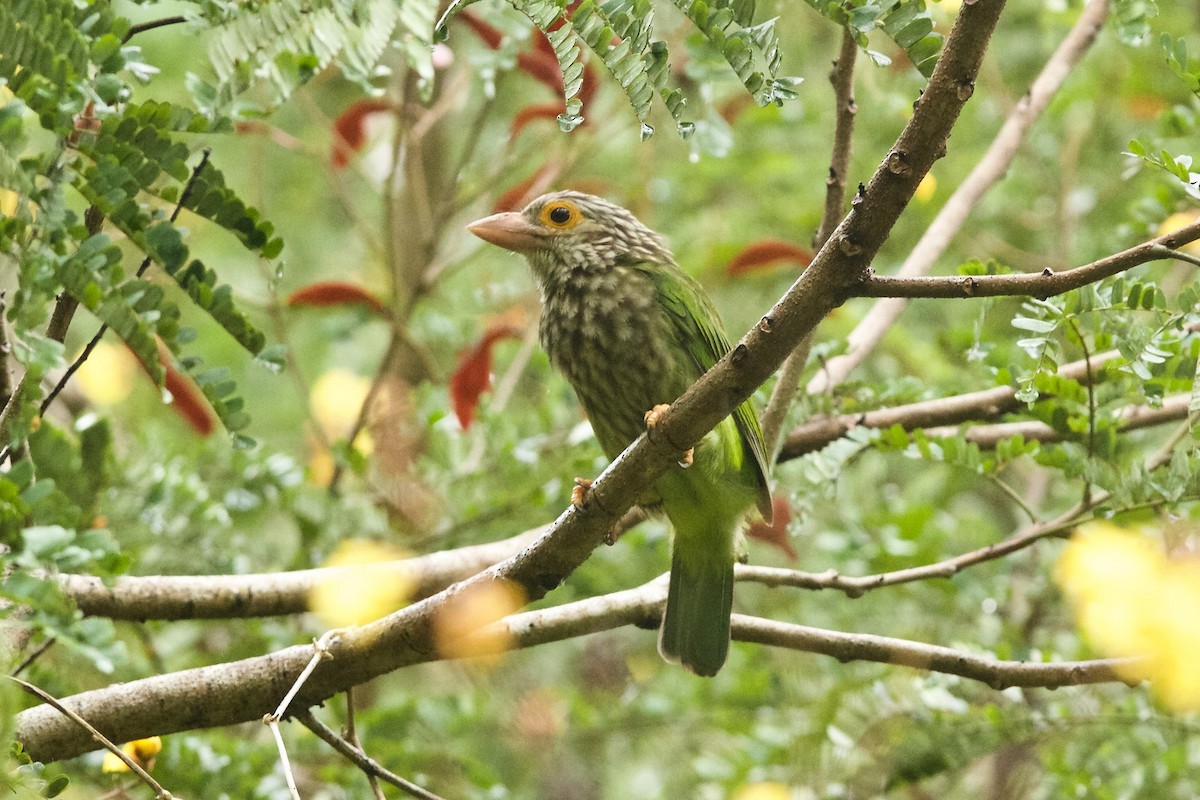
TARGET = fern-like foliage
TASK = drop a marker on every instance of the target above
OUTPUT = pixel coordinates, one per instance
(620, 33)
(69, 65)
(906, 22)
(281, 45)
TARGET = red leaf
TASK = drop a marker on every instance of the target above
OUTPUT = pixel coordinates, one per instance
(528, 114)
(349, 130)
(473, 376)
(516, 196)
(588, 89)
(775, 533)
(490, 35)
(189, 401)
(765, 253)
(335, 293)
(542, 67)
(567, 12)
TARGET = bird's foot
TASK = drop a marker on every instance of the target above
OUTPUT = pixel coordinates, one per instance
(653, 415)
(580, 491)
(686, 461)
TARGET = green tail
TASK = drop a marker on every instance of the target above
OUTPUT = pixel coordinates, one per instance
(695, 626)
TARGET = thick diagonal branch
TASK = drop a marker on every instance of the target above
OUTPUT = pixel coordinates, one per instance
(990, 169)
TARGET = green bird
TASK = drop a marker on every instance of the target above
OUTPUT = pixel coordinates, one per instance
(631, 331)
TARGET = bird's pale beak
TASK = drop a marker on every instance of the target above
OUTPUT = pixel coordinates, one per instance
(509, 230)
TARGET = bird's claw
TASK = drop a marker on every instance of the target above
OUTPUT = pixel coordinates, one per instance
(686, 461)
(580, 491)
(653, 415)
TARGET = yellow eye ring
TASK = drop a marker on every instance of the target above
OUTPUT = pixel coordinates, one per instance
(561, 215)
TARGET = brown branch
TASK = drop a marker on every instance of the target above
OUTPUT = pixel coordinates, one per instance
(247, 689)
(90, 730)
(142, 27)
(360, 759)
(643, 605)
(1173, 409)
(857, 586)
(982, 405)
(990, 169)
(268, 594)
(1046, 283)
(931, 658)
(845, 111)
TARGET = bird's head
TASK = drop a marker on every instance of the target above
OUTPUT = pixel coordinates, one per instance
(572, 231)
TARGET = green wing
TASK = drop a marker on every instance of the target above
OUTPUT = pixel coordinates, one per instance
(699, 331)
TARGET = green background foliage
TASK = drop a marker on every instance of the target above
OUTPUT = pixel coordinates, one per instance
(202, 147)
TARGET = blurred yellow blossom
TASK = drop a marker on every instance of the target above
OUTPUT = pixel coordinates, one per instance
(336, 399)
(8, 202)
(1131, 600)
(763, 790)
(926, 189)
(142, 752)
(458, 627)
(364, 586)
(1181, 220)
(106, 377)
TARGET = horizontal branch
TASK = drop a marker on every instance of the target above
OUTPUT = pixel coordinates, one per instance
(171, 597)
(931, 658)
(1046, 283)
(986, 404)
(1173, 409)
(643, 605)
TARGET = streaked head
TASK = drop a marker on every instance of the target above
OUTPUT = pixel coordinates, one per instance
(573, 230)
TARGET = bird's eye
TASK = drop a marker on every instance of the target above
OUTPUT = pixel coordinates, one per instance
(561, 215)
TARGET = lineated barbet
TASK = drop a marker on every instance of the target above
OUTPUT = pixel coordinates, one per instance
(631, 331)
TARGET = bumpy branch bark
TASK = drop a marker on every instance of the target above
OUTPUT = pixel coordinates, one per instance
(990, 169)
(642, 606)
(982, 405)
(248, 689)
(1037, 284)
(272, 594)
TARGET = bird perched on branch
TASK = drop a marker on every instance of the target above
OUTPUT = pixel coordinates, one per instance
(631, 331)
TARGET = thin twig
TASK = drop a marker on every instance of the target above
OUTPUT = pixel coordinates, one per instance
(361, 759)
(845, 110)
(33, 656)
(320, 652)
(159, 792)
(285, 763)
(1046, 283)
(990, 169)
(352, 739)
(142, 27)
(985, 404)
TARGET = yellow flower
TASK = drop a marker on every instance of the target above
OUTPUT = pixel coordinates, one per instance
(926, 189)
(106, 377)
(336, 399)
(763, 790)
(1181, 220)
(142, 752)
(461, 629)
(1130, 600)
(364, 584)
